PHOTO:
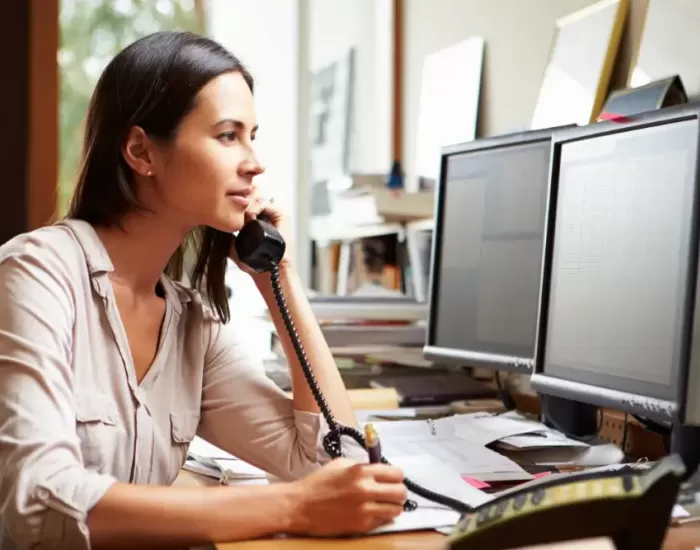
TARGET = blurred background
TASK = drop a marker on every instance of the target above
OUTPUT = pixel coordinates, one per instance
(354, 97)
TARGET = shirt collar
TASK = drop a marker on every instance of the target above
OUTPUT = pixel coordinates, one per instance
(95, 253)
(99, 263)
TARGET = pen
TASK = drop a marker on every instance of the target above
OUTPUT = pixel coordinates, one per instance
(373, 446)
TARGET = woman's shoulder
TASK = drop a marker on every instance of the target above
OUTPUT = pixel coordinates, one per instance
(53, 247)
(46, 264)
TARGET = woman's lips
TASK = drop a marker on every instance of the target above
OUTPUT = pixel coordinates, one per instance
(241, 197)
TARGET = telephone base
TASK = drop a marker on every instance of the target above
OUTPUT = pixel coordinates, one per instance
(631, 508)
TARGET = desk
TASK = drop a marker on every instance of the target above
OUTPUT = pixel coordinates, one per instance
(686, 537)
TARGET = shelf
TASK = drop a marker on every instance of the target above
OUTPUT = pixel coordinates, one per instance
(323, 230)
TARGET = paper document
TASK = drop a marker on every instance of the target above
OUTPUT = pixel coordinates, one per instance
(371, 415)
(594, 455)
(237, 469)
(207, 459)
(420, 519)
(224, 477)
(679, 512)
(540, 440)
(194, 465)
(441, 440)
(204, 450)
(485, 428)
(433, 474)
(636, 466)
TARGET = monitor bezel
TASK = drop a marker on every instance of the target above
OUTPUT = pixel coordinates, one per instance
(547, 384)
(434, 352)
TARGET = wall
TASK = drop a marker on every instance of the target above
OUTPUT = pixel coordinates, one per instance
(337, 25)
(518, 38)
(245, 28)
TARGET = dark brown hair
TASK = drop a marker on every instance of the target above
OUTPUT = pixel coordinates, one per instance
(153, 83)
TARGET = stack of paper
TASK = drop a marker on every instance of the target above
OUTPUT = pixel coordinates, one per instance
(207, 459)
(450, 442)
(462, 444)
(540, 440)
(510, 429)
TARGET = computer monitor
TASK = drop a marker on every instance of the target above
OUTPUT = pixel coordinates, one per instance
(617, 322)
(487, 251)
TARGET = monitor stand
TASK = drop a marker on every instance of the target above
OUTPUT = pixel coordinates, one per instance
(573, 418)
(685, 442)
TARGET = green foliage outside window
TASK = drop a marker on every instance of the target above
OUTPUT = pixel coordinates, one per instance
(92, 33)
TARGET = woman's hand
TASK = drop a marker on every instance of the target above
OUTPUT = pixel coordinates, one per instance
(345, 498)
(272, 213)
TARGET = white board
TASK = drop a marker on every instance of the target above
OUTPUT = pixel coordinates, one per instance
(576, 79)
(449, 104)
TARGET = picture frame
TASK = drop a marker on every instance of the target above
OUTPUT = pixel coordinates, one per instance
(576, 80)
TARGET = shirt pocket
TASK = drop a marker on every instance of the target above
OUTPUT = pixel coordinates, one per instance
(183, 428)
(96, 424)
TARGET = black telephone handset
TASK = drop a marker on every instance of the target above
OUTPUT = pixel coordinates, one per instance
(261, 247)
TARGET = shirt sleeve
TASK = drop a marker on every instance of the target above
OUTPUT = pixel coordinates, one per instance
(246, 414)
(45, 492)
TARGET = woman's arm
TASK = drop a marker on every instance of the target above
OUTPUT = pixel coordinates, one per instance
(246, 414)
(339, 499)
(319, 354)
(142, 516)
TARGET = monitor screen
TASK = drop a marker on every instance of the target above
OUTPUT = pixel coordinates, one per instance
(619, 260)
(488, 250)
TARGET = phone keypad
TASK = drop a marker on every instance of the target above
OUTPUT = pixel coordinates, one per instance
(519, 501)
(537, 496)
(541, 498)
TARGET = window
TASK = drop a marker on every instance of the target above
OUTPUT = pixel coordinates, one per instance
(92, 32)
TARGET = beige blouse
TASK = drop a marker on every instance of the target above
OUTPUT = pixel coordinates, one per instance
(73, 418)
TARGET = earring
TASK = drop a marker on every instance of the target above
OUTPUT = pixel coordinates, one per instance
(149, 173)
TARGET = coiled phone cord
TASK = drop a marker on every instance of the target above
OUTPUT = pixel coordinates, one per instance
(331, 441)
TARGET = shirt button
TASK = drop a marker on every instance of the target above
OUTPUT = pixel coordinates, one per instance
(43, 494)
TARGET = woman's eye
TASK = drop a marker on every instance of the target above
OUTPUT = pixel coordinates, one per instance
(227, 137)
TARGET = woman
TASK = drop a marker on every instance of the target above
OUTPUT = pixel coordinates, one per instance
(109, 367)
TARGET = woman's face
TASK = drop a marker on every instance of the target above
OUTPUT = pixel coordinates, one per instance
(205, 176)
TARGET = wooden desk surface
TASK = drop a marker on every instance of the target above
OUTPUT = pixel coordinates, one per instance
(686, 537)
(427, 540)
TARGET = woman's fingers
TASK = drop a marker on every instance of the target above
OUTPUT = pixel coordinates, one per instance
(385, 473)
(260, 206)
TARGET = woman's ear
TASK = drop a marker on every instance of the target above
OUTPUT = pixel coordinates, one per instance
(138, 152)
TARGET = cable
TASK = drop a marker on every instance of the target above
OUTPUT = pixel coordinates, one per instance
(331, 441)
(506, 397)
(625, 431)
